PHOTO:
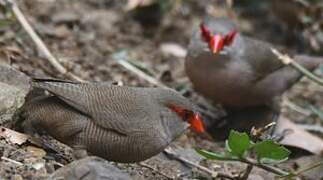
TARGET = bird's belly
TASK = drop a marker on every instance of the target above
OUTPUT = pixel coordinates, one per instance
(117, 147)
(227, 90)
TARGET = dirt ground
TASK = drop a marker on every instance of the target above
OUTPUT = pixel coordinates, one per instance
(86, 36)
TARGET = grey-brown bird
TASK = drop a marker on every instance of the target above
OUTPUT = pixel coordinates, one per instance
(118, 123)
(236, 70)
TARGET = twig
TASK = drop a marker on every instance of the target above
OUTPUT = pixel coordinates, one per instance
(155, 170)
(295, 107)
(121, 59)
(289, 61)
(271, 169)
(58, 164)
(265, 167)
(202, 168)
(257, 133)
(39, 43)
(12, 161)
(140, 73)
(247, 172)
(308, 127)
(308, 168)
(291, 175)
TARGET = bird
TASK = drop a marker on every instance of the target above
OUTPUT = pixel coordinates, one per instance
(241, 72)
(238, 71)
(119, 123)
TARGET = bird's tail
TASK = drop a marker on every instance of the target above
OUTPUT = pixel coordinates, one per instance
(49, 84)
(41, 80)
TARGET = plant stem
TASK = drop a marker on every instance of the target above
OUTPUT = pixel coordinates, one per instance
(245, 175)
(196, 165)
(38, 41)
(271, 169)
(289, 61)
(309, 168)
(307, 73)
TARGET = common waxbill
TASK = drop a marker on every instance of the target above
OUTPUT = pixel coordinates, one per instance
(236, 70)
(118, 123)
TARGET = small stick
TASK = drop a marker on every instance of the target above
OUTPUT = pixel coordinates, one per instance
(296, 108)
(120, 58)
(309, 168)
(247, 172)
(289, 61)
(140, 73)
(314, 128)
(12, 161)
(202, 168)
(39, 43)
(155, 170)
(271, 169)
(58, 164)
(291, 175)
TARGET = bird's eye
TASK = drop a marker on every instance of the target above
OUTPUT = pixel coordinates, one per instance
(187, 114)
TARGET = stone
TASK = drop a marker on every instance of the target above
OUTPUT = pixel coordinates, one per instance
(90, 168)
(14, 86)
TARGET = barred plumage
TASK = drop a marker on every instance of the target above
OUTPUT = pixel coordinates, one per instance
(123, 124)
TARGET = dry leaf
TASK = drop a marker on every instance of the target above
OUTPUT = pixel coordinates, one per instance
(298, 137)
(132, 4)
(37, 152)
(12, 136)
(173, 49)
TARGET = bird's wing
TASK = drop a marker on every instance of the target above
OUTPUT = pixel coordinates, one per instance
(112, 107)
(260, 56)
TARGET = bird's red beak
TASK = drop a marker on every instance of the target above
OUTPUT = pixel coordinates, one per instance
(216, 43)
(196, 123)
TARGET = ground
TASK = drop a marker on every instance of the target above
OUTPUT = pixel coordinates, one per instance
(86, 36)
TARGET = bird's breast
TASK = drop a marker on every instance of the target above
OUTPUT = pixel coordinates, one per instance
(122, 148)
(228, 83)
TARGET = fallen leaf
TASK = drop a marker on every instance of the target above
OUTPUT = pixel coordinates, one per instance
(13, 136)
(38, 165)
(37, 152)
(298, 137)
(62, 31)
(173, 49)
(133, 4)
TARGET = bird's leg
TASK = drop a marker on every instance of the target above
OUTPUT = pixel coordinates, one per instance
(275, 105)
(79, 152)
(241, 119)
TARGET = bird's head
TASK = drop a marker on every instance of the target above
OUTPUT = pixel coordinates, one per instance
(182, 108)
(189, 116)
(216, 42)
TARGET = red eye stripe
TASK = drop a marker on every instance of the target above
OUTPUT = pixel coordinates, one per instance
(216, 42)
(228, 38)
(195, 121)
(205, 32)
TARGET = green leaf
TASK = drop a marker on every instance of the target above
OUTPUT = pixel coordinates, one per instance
(214, 156)
(271, 152)
(238, 143)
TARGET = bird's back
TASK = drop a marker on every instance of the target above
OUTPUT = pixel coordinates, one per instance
(66, 124)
